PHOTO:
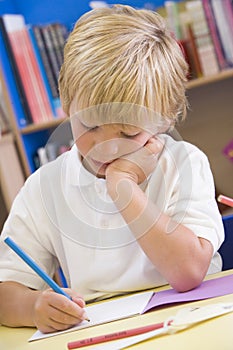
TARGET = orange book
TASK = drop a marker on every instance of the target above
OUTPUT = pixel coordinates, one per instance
(27, 64)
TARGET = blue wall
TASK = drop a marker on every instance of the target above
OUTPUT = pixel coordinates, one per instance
(65, 11)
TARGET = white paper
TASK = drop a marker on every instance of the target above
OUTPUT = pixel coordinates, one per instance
(191, 315)
(183, 319)
(107, 311)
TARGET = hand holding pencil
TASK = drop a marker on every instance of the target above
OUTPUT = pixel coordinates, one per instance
(52, 309)
(54, 312)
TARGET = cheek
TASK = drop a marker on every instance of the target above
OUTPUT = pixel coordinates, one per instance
(84, 144)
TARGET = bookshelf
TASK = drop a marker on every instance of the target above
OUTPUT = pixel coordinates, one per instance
(209, 125)
(12, 177)
(202, 92)
(25, 90)
(42, 126)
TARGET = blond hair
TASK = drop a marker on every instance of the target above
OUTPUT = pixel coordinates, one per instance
(121, 54)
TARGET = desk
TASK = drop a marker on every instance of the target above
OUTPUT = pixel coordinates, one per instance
(213, 334)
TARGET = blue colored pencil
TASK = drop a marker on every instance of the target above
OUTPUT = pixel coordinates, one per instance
(35, 267)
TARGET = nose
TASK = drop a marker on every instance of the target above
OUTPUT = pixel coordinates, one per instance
(107, 148)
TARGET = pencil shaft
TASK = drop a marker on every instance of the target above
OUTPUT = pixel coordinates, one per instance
(113, 336)
(225, 200)
(28, 260)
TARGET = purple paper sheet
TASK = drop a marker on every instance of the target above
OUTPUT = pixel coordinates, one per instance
(208, 289)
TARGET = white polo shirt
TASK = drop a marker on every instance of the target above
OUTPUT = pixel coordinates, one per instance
(63, 215)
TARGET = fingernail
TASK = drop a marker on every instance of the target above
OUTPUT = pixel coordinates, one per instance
(79, 300)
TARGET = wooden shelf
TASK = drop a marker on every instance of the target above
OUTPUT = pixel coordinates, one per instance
(228, 73)
(42, 126)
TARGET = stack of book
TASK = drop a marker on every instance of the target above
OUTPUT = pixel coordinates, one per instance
(31, 57)
(50, 152)
(205, 30)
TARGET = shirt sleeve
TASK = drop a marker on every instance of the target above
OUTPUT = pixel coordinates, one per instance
(21, 225)
(192, 202)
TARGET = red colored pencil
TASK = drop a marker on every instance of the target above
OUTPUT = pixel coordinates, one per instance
(225, 200)
(113, 336)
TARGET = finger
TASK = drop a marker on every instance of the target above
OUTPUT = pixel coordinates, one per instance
(154, 145)
(47, 328)
(72, 293)
(56, 326)
(62, 303)
(79, 301)
(76, 297)
(59, 316)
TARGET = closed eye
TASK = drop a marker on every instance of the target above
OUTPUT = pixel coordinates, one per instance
(130, 135)
(89, 128)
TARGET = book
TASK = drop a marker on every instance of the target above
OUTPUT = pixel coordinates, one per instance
(173, 18)
(192, 52)
(13, 80)
(143, 302)
(27, 65)
(228, 9)
(202, 37)
(43, 159)
(45, 59)
(62, 34)
(46, 74)
(189, 47)
(56, 44)
(214, 33)
(49, 46)
(224, 27)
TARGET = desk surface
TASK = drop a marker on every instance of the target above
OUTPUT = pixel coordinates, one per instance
(213, 334)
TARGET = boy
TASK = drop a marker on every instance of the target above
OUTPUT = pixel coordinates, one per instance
(128, 208)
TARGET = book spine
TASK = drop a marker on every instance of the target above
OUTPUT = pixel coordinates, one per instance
(214, 34)
(173, 18)
(62, 34)
(228, 10)
(51, 53)
(56, 46)
(203, 41)
(13, 79)
(24, 71)
(45, 59)
(193, 55)
(30, 75)
(41, 93)
(41, 68)
(223, 29)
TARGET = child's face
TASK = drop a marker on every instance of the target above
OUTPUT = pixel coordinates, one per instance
(100, 145)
